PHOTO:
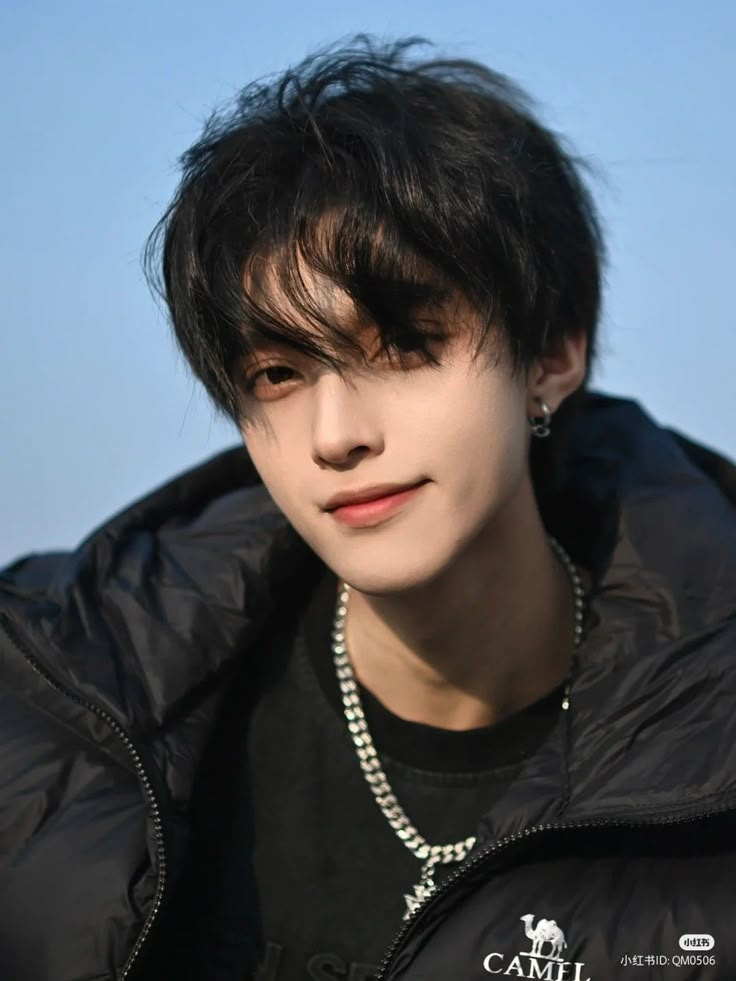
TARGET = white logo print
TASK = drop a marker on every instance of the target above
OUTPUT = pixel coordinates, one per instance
(531, 963)
(546, 931)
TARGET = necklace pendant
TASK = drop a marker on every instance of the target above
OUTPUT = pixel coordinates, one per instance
(422, 891)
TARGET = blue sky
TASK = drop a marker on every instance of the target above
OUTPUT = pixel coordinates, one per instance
(100, 98)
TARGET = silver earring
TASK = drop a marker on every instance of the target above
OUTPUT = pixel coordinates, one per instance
(541, 429)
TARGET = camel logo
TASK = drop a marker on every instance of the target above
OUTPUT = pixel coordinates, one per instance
(546, 931)
(544, 963)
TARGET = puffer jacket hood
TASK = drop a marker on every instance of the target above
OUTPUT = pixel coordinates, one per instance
(114, 659)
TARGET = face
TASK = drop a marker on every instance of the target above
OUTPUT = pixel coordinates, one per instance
(461, 427)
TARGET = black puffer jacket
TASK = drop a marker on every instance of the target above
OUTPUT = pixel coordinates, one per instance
(115, 658)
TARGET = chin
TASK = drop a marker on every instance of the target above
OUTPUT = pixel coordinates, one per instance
(388, 578)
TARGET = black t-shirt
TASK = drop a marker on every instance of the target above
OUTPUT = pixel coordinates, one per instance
(292, 863)
(331, 872)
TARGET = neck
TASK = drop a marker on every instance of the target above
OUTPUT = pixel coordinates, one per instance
(489, 636)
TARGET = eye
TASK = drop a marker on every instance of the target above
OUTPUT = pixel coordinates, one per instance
(270, 373)
(402, 350)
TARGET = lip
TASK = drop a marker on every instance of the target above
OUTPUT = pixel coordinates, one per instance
(374, 493)
(376, 509)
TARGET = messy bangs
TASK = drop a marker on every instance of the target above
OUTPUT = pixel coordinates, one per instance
(399, 295)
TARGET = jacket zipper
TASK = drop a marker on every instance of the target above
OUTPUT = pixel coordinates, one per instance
(492, 851)
(154, 806)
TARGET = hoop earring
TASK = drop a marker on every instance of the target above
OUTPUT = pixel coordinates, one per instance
(541, 429)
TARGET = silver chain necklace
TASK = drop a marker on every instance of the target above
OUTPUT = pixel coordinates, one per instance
(429, 855)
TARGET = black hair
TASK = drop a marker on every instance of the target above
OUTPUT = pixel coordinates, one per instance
(401, 181)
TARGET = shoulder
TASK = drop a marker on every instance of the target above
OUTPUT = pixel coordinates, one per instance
(159, 598)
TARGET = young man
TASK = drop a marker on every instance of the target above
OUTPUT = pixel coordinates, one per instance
(431, 678)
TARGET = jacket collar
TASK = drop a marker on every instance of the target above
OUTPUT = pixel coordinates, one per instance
(652, 724)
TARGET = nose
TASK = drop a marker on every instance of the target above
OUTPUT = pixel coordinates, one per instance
(344, 421)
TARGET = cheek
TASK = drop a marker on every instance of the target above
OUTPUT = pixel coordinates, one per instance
(268, 461)
(486, 446)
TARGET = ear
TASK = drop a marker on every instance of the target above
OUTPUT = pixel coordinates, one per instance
(558, 372)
